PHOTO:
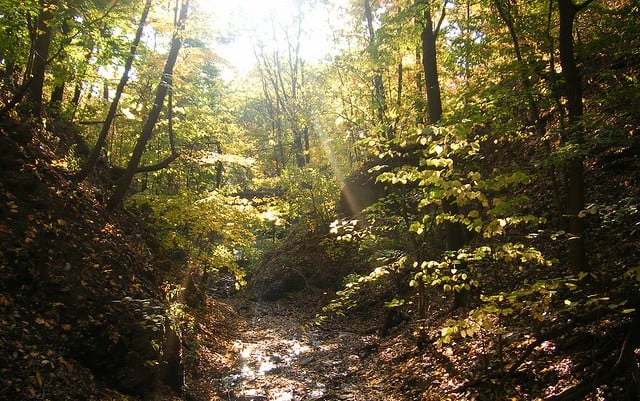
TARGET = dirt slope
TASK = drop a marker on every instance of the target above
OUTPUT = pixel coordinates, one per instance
(80, 293)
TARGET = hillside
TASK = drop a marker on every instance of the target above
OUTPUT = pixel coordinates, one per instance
(81, 293)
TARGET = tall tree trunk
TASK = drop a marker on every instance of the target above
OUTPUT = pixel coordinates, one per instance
(40, 57)
(147, 131)
(430, 64)
(77, 92)
(307, 145)
(400, 83)
(298, 147)
(420, 103)
(379, 101)
(57, 95)
(111, 115)
(454, 232)
(454, 240)
(575, 108)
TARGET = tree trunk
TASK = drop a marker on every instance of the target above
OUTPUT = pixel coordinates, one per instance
(419, 104)
(111, 115)
(454, 240)
(57, 95)
(575, 165)
(147, 131)
(380, 102)
(395, 127)
(77, 92)
(430, 64)
(307, 145)
(454, 232)
(298, 148)
(40, 57)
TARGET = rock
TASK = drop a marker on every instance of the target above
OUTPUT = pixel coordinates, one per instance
(306, 361)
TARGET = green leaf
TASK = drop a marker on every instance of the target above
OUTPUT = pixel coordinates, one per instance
(416, 227)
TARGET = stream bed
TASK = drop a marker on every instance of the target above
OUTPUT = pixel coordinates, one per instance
(278, 360)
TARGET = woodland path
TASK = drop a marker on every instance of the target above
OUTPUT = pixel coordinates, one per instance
(278, 360)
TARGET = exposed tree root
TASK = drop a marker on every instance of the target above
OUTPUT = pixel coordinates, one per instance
(626, 360)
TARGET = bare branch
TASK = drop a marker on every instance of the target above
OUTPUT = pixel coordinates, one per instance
(442, 15)
(158, 166)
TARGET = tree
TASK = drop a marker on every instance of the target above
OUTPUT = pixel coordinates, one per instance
(49, 30)
(39, 55)
(429, 61)
(454, 232)
(575, 109)
(147, 131)
(283, 83)
(111, 115)
(379, 95)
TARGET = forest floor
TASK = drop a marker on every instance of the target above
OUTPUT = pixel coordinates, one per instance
(276, 355)
(247, 350)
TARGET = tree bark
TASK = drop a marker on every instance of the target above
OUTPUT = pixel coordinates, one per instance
(111, 115)
(307, 145)
(380, 102)
(147, 131)
(454, 240)
(298, 148)
(40, 57)
(57, 95)
(430, 64)
(575, 109)
(454, 232)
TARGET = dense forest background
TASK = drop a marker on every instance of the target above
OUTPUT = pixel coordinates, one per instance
(459, 176)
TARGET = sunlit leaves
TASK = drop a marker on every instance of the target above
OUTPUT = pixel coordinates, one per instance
(356, 283)
(210, 230)
(310, 194)
(416, 227)
(537, 301)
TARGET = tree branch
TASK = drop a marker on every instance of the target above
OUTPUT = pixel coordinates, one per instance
(158, 166)
(442, 15)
